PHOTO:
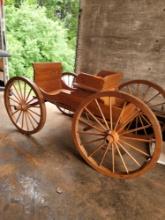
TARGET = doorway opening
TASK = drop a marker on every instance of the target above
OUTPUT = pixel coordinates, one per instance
(41, 31)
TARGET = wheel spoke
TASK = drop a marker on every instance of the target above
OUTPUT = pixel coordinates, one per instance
(90, 113)
(14, 100)
(113, 158)
(92, 126)
(28, 116)
(97, 148)
(136, 124)
(87, 116)
(31, 115)
(129, 154)
(18, 117)
(13, 113)
(26, 121)
(31, 100)
(93, 141)
(34, 105)
(159, 104)
(159, 113)
(23, 116)
(135, 148)
(16, 97)
(87, 128)
(102, 114)
(34, 112)
(104, 155)
(20, 90)
(14, 106)
(91, 133)
(137, 89)
(25, 90)
(129, 125)
(27, 97)
(145, 119)
(110, 113)
(141, 121)
(146, 92)
(125, 124)
(122, 159)
(152, 98)
(135, 129)
(17, 92)
(129, 90)
(139, 138)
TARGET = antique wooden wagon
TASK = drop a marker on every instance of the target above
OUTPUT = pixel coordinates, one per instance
(117, 128)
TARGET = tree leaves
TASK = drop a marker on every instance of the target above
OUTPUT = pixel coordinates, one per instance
(33, 37)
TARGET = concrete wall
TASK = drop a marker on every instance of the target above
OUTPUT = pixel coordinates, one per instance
(123, 35)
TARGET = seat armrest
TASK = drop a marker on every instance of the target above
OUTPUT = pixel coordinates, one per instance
(89, 82)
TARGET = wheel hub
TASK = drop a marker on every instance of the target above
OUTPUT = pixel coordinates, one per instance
(112, 137)
(24, 107)
(21, 107)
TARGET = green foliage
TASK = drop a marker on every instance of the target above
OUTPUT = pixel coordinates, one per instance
(33, 37)
(65, 10)
(17, 3)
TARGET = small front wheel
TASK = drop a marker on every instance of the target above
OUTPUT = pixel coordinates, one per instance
(25, 105)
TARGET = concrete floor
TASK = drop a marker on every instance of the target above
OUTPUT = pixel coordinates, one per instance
(42, 177)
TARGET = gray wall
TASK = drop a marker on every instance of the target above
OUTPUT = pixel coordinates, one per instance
(123, 35)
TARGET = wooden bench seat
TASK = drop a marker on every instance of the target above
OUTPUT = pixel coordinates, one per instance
(48, 76)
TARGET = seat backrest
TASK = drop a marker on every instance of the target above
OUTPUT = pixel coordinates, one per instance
(48, 76)
(112, 80)
(89, 82)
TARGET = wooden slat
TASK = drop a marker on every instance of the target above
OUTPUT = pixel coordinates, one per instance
(48, 76)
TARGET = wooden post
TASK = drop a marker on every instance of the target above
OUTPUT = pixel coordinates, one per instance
(4, 60)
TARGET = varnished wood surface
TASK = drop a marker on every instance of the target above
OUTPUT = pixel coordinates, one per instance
(121, 118)
(25, 105)
(48, 76)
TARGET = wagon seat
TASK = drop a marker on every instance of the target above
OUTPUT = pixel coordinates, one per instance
(47, 76)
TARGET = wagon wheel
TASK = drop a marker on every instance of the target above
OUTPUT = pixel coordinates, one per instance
(150, 93)
(104, 139)
(68, 79)
(25, 105)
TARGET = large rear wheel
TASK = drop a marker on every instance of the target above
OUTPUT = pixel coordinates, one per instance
(107, 138)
